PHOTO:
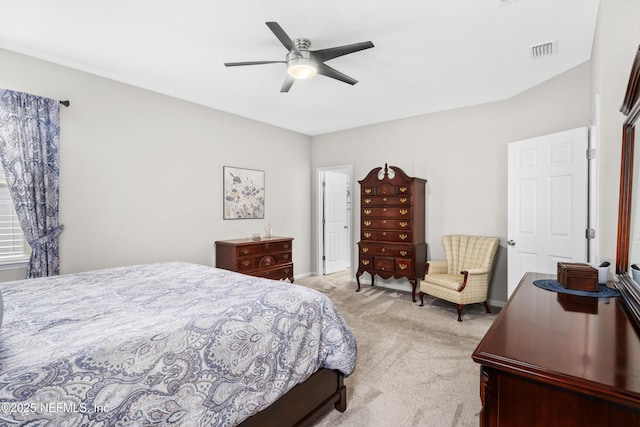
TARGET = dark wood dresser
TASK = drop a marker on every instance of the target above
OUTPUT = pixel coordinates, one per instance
(270, 258)
(552, 359)
(392, 228)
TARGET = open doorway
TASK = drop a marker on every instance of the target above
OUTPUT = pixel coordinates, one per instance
(334, 218)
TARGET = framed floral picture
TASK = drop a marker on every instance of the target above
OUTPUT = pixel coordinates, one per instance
(243, 193)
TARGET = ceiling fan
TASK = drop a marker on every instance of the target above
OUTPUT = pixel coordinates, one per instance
(303, 63)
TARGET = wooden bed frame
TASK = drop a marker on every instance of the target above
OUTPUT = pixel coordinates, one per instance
(305, 402)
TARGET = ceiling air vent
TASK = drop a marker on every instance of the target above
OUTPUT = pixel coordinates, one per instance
(544, 49)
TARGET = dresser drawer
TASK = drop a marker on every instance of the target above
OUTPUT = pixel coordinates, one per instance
(390, 212)
(264, 248)
(386, 224)
(247, 263)
(386, 250)
(279, 273)
(386, 200)
(387, 236)
(366, 262)
(404, 265)
(386, 190)
(384, 264)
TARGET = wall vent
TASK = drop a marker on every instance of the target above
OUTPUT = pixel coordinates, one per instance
(543, 50)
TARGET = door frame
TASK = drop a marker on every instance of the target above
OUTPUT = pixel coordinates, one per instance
(348, 170)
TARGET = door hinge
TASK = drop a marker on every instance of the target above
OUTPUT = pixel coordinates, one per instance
(591, 153)
(590, 233)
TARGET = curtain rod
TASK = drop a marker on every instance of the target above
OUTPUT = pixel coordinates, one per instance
(66, 103)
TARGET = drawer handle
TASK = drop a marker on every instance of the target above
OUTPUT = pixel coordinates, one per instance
(403, 200)
(384, 199)
(286, 246)
(365, 250)
(403, 237)
(367, 200)
(402, 266)
(384, 209)
(403, 189)
(367, 235)
(367, 211)
(384, 233)
(367, 190)
(365, 262)
(403, 211)
(403, 253)
(367, 223)
(245, 251)
(403, 223)
(384, 250)
(285, 256)
(246, 263)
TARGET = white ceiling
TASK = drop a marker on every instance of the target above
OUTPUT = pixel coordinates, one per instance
(428, 56)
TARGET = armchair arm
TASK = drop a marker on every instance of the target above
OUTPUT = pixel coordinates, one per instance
(476, 270)
(436, 267)
(472, 272)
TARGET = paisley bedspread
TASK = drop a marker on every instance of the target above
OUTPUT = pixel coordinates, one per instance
(160, 344)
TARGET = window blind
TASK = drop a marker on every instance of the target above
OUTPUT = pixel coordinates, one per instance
(13, 246)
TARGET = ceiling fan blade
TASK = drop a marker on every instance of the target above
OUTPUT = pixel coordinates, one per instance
(287, 84)
(236, 64)
(283, 37)
(333, 52)
(325, 70)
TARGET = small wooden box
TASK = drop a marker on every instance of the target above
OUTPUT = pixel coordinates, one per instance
(578, 276)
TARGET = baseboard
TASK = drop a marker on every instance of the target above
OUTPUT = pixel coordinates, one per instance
(497, 303)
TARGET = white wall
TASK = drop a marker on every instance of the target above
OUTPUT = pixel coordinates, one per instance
(141, 173)
(463, 155)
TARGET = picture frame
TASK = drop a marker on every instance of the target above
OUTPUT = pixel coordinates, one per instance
(243, 193)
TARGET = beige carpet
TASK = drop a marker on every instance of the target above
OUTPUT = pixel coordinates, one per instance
(414, 365)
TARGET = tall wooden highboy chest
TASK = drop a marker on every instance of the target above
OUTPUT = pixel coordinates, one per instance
(392, 226)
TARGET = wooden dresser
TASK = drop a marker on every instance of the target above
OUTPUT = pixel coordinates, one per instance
(270, 258)
(552, 359)
(392, 228)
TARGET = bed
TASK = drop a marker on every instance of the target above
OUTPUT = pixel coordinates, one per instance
(169, 344)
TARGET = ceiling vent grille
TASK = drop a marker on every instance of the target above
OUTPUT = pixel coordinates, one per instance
(543, 50)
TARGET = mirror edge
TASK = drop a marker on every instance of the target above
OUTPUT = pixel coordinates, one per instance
(631, 108)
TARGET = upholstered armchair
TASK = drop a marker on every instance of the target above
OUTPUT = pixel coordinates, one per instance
(464, 277)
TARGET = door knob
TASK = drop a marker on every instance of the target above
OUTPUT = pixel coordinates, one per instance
(511, 242)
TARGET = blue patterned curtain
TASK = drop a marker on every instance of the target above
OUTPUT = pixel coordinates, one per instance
(29, 150)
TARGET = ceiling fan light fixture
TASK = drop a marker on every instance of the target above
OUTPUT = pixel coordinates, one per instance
(302, 68)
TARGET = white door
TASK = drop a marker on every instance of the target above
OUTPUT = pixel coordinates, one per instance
(547, 203)
(336, 222)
